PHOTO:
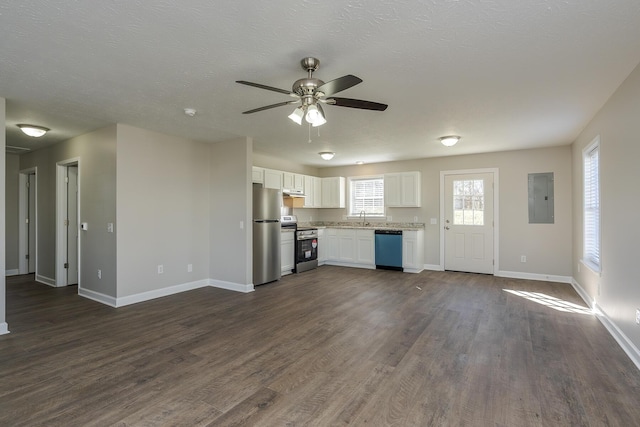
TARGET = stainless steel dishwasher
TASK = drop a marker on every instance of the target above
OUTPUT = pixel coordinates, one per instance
(388, 248)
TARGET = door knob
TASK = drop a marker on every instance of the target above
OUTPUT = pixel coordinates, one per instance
(447, 221)
(446, 227)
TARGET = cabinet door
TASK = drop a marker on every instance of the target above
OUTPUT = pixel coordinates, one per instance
(317, 192)
(413, 251)
(365, 247)
(347, 245)
(308, 192)
(333, 192)
(287, 256)
(331, 240)
(322, 250)
(410, 189)
(392, 190)
(257, 175)
(272, 179)
(298, 182)
(287, 181)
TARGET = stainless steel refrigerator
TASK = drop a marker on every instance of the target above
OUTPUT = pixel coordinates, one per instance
(266, 234)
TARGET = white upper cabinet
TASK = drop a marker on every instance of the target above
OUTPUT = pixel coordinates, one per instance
(402, 190)
(312, 192)
(273, 179)
(333, 192)
(292, 181)
(257, 175)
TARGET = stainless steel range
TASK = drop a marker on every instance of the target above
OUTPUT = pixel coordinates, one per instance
(306, 245)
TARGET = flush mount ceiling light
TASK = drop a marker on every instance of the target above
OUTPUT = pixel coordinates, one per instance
(190, 112)
(33, 130)
(449, 141)
(327, 155)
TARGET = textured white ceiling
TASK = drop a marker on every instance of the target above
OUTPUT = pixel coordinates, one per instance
(503, 74)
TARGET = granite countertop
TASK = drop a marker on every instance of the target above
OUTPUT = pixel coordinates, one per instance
(367, 225)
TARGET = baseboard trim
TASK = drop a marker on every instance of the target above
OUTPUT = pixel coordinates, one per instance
(45, 280)
(159, 293)
(623, 341)
(12, 272)
(4, 328)
(230, 286)
(433, 267)
(534, 276)
(98, 297)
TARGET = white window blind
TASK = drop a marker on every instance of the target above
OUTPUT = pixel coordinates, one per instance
(591, 157)
(366, 194)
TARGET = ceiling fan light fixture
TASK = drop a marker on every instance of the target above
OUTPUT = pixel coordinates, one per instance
(314, 116)
(297, 115)
(33, 130)
(450, 140)
(327, 155)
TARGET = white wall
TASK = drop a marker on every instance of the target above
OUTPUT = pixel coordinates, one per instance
(162, 211)
(617, 124)
(231, 198)
(97, 173)
(11, 203)
(3, 323)
(546, 246)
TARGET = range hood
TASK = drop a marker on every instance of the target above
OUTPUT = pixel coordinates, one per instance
(292, 193)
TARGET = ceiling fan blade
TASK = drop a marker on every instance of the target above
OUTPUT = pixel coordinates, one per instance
(267, 107)
(274, 89)
(357, 103)
(339, 84)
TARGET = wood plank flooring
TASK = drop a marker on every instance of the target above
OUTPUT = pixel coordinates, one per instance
(328, 347)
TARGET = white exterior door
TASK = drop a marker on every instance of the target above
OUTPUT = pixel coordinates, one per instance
(468, 223)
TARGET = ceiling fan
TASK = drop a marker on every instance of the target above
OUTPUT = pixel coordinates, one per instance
(311, 93)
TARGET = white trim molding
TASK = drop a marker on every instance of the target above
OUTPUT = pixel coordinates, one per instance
(98, 297)
(433, 267)
(4, 328)
(231, 286)
(12, 272)
(159, 293)
(623, 341)
(534, 276)
(46, 280)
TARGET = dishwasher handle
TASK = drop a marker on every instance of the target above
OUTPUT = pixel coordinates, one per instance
(391, 232)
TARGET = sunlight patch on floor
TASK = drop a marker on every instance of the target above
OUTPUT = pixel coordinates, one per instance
(553, 302)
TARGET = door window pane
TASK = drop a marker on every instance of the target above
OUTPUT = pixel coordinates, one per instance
(468, 202)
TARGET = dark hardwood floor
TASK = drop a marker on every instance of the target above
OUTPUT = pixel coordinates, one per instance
(332, 346)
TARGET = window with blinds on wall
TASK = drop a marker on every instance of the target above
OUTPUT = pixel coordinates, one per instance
(591, 162)
(366, 194)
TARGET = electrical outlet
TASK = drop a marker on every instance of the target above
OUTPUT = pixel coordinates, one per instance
(99, 274)
(434, 221)
(189, 268)
(160, 269)
(523, 258)
(578, 267)
(415, 219)
(638, 316)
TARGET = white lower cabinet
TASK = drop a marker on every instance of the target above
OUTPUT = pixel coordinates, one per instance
(322, 249)
(350, 247)
(413, 251)
(287, 254)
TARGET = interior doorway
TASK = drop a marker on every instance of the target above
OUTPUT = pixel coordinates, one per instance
(67, 223)
(28, 217)
(468, 218)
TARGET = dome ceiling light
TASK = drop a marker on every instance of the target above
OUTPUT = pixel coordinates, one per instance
(33, 130)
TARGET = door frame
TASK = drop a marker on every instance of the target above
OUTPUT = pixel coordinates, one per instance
(496, 211)
(61, 210)
(23, 200)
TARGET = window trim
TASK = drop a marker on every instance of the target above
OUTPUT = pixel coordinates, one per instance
(594, 264)
(352, 215)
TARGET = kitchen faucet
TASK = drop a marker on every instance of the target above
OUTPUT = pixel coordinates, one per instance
(363, 215)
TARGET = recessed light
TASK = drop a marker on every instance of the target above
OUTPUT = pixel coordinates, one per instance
(190, 112)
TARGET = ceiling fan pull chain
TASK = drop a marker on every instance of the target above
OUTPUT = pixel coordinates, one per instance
(309, 141)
